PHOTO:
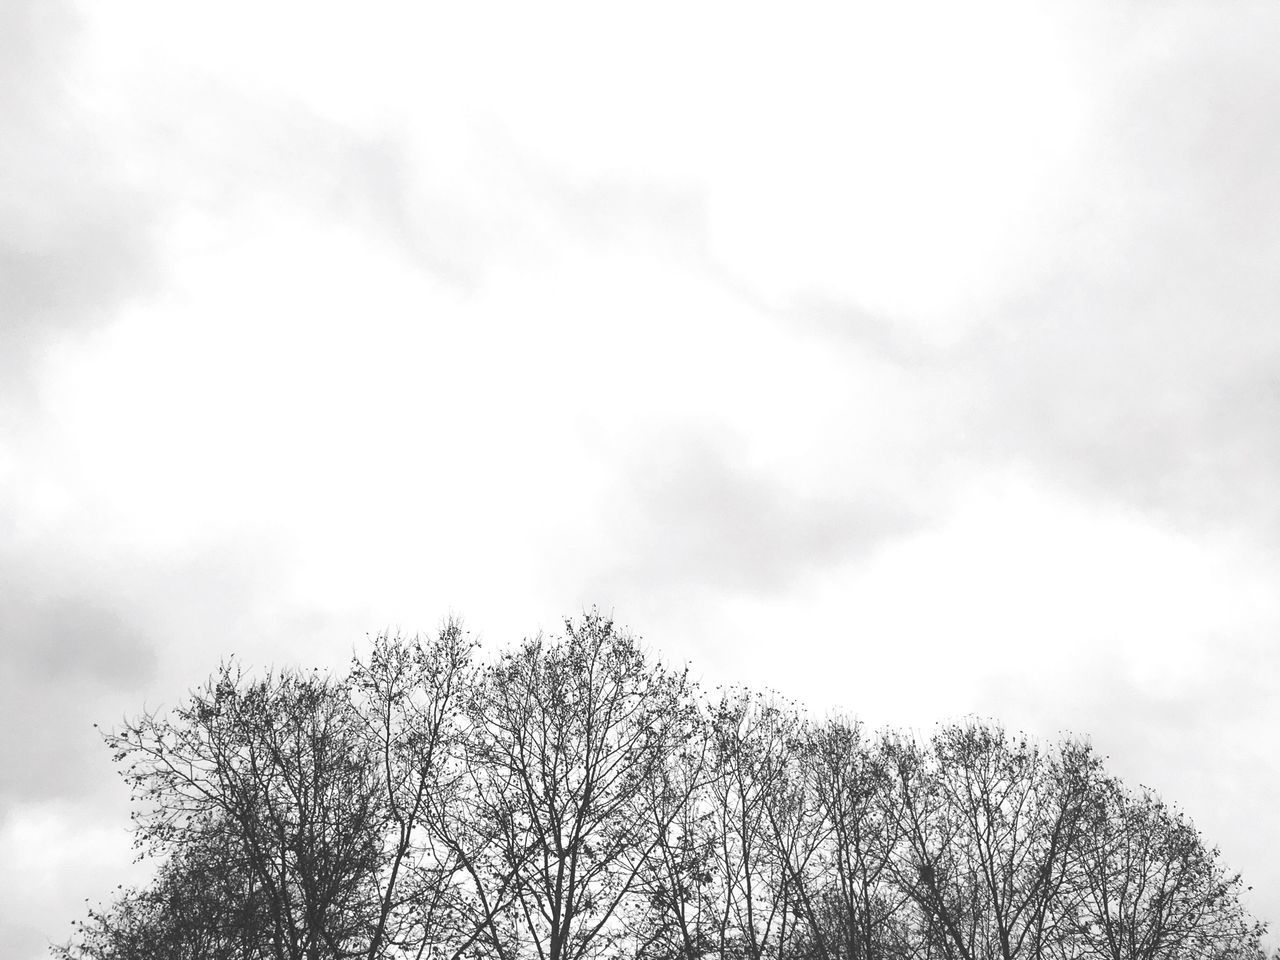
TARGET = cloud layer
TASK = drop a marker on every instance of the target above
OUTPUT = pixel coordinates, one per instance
(914, 359)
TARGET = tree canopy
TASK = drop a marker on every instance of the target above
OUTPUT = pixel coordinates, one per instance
(570, 799)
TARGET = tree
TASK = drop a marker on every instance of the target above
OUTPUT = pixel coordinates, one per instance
(676, 913)
(570, 799)
(1150, 889)
(411, 696)
(568, 735)
(343, 802)
(991, 824)
(761, 822)
(203, 905)
(860, 913)
(277, 769)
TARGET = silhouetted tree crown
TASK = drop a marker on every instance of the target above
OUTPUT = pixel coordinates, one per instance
(570, 799)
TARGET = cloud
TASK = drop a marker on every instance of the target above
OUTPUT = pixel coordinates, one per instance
(71, 648)
(65, 663)
(223, 158)
(73, 638)
(1147, 365)
(76, 233)
(699, 516)
(95, 630)
(1125, 344)
(735, 320)
(110, 176)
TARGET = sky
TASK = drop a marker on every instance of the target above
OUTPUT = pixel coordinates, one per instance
(918, 360)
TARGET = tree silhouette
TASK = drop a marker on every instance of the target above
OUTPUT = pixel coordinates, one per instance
(570, 799)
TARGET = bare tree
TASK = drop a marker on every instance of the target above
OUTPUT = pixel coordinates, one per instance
(798, 833)
(676, 909)
(991, 823)
(278, 769)
(204, 904)
(412, 696)
(569, 734)
(759, 803)
(1149, 887)
(573, 800)
(860, 912)
(926, 865)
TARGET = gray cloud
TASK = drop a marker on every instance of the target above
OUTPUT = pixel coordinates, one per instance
(1149, 365)
(71, 653)
(66, 639)
(86, 195)
(611, 210)
(217, 149)
(1140, 359)
(48, 746)
(697, 516)
(75, 236)
(850, 324)
(89, 635)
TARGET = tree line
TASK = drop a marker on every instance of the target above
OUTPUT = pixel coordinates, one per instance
(569, 798)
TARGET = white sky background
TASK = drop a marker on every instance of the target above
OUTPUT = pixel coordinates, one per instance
(916, 358)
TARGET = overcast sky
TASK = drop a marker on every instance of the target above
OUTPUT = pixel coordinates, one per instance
(920, 359)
